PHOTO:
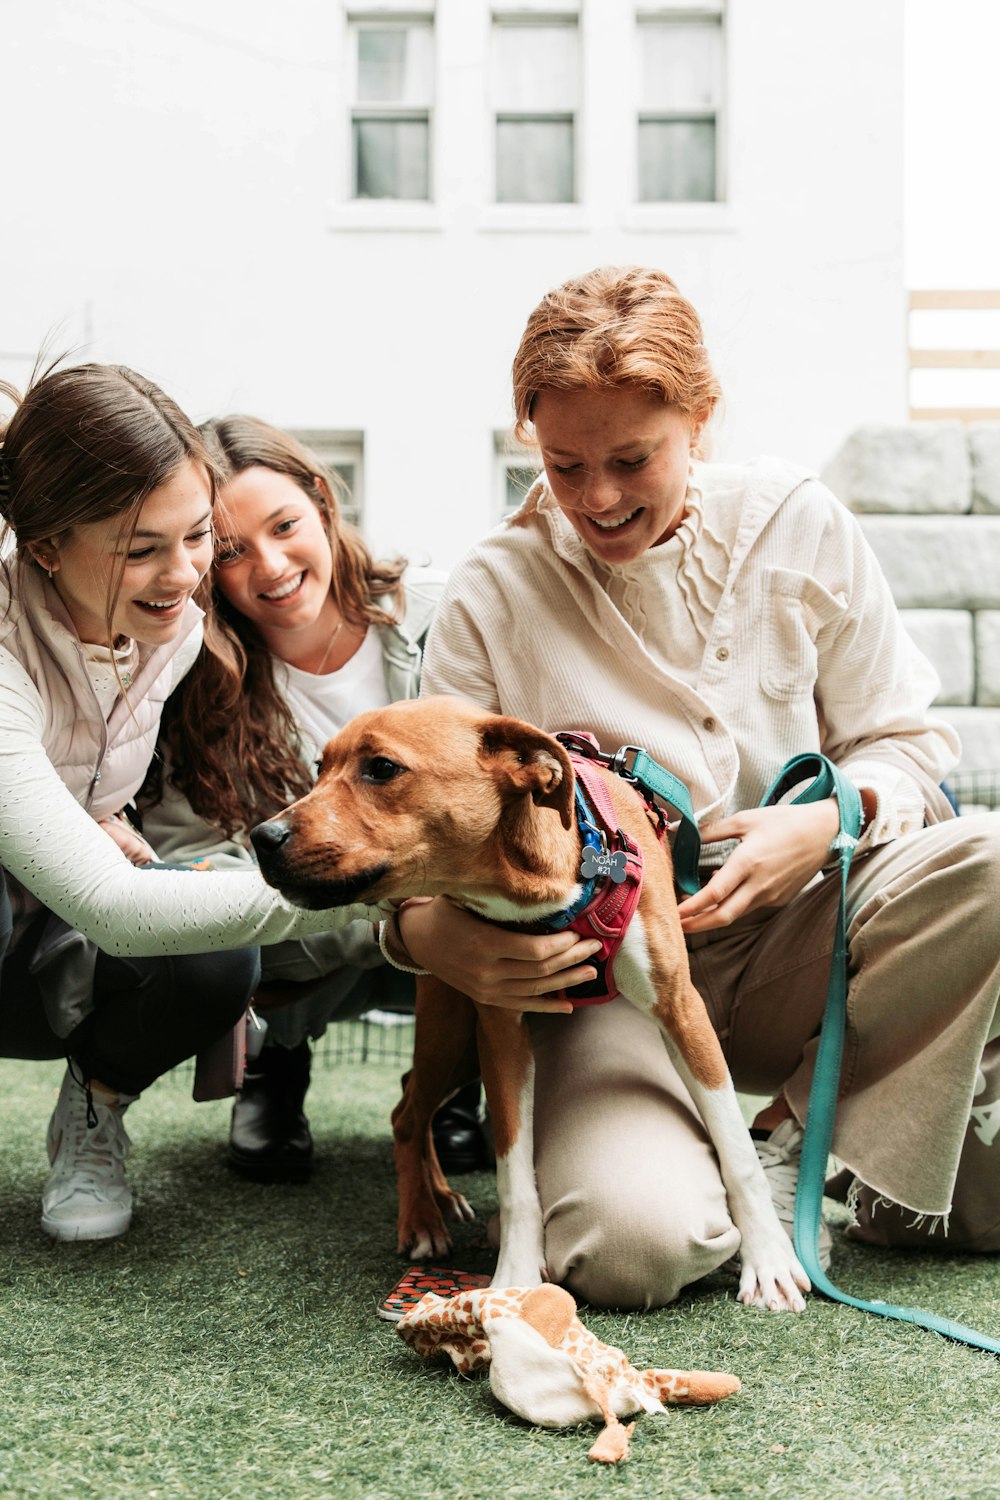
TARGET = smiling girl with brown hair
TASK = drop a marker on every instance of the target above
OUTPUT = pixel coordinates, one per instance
(107, 494)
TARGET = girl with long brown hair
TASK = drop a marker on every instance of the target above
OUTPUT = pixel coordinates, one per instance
(311, 630)
(107, 494)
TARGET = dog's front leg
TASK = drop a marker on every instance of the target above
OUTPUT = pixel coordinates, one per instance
(652, 971)
(770, 1273)
(445, 1026)
(508, 1066)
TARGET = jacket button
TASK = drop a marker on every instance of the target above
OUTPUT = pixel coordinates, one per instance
(722, 654)
(708, 724)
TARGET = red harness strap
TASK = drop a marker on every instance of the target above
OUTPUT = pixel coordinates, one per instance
(610, 909)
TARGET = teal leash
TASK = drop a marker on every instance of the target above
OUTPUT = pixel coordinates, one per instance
(686, 845)
(828, 782)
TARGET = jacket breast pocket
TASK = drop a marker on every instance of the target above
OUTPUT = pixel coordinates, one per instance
(796, 608)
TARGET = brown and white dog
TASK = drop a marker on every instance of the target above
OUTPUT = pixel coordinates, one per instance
(436, 797)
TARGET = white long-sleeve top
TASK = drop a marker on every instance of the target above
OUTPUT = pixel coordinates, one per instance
(763, 629)
(63, 765)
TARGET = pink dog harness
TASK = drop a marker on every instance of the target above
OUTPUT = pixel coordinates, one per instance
(611, 866)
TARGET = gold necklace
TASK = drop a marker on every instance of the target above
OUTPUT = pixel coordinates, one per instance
(329, 647)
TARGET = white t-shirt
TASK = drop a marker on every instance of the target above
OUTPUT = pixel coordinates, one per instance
(322, 705)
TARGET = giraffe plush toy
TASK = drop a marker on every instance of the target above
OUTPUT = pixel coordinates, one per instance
(546, 1367)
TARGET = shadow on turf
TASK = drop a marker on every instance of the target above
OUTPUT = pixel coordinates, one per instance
(189, 1203)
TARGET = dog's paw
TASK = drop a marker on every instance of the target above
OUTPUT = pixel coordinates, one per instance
(422, 1235)
(775, 1284)
(424, 1244)
(454, 1207)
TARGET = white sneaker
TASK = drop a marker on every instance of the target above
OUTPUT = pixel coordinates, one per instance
(86, 1196)
(780, 1155)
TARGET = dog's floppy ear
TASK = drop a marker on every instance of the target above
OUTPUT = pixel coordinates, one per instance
(530, 763)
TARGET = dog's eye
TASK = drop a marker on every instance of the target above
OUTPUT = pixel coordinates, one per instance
(380, 769)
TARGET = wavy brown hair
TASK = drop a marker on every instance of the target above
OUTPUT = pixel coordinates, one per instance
(615, 326)
(229, 735)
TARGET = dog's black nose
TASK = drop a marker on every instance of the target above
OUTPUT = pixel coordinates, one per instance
(268, 839)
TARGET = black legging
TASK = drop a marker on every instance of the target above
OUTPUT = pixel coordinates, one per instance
(149, 1013)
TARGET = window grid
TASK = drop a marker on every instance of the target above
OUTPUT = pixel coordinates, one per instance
(678, 121)
(391, 113)
(678, 91)
(535, 88)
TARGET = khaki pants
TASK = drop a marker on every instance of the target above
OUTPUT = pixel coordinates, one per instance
(633, 1203)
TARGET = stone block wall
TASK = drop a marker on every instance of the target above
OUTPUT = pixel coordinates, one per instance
(928, 499)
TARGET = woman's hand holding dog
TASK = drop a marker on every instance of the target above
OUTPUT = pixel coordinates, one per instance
(491, 965)
(780, 849)
(129, 840)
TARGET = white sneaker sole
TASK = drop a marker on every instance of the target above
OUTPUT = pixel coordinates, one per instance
(108, 1227)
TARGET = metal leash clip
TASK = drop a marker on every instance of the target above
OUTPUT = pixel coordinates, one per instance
(620, 763)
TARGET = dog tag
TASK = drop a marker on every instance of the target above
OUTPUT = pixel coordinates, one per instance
(598, 863)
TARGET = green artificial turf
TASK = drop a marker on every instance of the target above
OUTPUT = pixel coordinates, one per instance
(228, 1346)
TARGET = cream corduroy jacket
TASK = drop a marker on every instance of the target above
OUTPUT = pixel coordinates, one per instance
(806, 652)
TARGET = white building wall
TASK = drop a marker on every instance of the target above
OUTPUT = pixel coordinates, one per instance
(174, 198)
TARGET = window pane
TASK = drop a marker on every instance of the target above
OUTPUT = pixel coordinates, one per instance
(535, 68)
(681, 65)
(394, 64)
(677, 161)
(343, 454)
(517, 483)
(381, 64)
(535, 161)
(350, 507)
(348, 473)
(345, 472)
(390, 158)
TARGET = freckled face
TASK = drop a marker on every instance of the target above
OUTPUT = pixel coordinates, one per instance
(165, 561)
(617, 463)
(272, 558)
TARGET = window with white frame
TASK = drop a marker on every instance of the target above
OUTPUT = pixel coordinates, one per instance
(343, 454)
(517, 468)
(535, 92)
(391, 113)
(680, 100)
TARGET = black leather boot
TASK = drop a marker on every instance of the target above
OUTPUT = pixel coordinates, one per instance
(269, 1139)
(460, 1139)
